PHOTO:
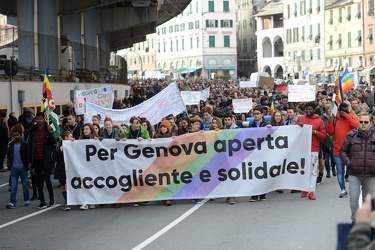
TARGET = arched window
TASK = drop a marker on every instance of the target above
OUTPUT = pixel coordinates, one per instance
(212, 62)
(227, 61)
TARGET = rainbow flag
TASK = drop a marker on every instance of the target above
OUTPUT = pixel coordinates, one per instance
(272, 110)
(338, 88)
(346, 81)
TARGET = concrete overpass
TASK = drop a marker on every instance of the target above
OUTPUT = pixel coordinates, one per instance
(91, 28)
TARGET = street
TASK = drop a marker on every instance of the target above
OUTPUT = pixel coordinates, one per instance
(284, 221)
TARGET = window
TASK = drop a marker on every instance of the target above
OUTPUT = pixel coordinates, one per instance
(190, 8)
(288, 10)
(239, 46)
(152, 42)
(318, 6)
(330, 42)
(370, 8)
(226, 23)
(303, 33)
(197, 41)
(226, 41)
(310, 7)
(182, 27)
(349, 39)
(302, 8)
(190, 25)
(311, 54)
(288, 36)
(196, 7)
(318, 54)
(211, 6)
(358, 15)
(295, 10)
(197, 24)
(311, 32)
(340, 15)
(211, 41)
(339, 41)
(330, 21)
(303, 56)
(295, 35)
(159, 31)
(349, 15)
(191, 43)
(171, 29)
(159, 47)
(226, 6)
(164, 30)
(371, 59)
(212, 23)
(176, 44)
(183, 44)
(359, 38)
(244, 45)
(176, 28)
(369, 36)
(164, 46)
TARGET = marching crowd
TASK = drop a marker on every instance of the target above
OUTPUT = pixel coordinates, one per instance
(27, 143)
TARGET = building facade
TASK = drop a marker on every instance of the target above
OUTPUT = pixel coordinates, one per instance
(201, 41)
(368, 74)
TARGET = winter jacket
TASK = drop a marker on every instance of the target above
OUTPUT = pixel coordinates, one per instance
(263, 123)
(49, 142)
(58, 157)
(360, 237)
(142, 133)
(317, 125)
(23, 152)
(358, 152)
(344, 125)
(116, 134)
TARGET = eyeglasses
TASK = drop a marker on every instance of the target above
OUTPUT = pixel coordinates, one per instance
(364, 122)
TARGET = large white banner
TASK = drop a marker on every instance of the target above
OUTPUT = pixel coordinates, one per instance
(212, 164)
(166, 102)
(242, 105)
(102, 97)
(248, 84)
(301, 93)
(205, 94)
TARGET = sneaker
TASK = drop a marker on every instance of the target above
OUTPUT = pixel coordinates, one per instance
(66, 207)
(10, 205)
(343, 193)
(312, 196)
(42, 206)
(168, 203)
(334, 173)
(318, 180)
(263, 197)
(232, 201)
(304, 194)
(280, 191)
(91, 206)
(84, 207)
(116, 205)
(253, 198)
(346, 178)
(27, 203)
(136, 204)
(52, 201)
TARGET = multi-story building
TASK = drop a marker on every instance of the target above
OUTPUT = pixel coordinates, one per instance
(270, 39)
(142, 56)
(343, 38)
(368, 74)
(201, 41)
(304, 39)
(246, 39)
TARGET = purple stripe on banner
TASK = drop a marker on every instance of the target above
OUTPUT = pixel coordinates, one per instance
(198, 189)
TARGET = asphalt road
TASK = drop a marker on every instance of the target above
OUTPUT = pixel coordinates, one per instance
(284, 221)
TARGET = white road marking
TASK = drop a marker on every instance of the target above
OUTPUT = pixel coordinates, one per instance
(28, 216)
(5, 184)
(170, 226)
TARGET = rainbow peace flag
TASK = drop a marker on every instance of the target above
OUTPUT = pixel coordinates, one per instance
(346, 81)
(272, 110)
(338, 88)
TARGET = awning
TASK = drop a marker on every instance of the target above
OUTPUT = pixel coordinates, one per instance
(189, 70)
(212, 68)
(227, 68)
(180, 70)
(131, 71)
(359, 68)
(318, 70)
(364, 72)
(330, 69)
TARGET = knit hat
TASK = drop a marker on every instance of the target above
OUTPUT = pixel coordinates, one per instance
(166, 124)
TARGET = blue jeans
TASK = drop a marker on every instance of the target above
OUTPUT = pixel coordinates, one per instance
(15, 173)
(340, 167)
(329, 161)
(355, 184)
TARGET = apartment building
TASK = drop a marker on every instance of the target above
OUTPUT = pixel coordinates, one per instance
(368, 73)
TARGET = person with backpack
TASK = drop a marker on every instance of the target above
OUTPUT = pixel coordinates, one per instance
(339, 127)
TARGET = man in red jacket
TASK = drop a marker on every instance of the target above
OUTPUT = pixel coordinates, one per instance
(318, 134)
(344, 122)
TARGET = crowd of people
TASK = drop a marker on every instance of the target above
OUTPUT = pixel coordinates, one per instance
(27, 142)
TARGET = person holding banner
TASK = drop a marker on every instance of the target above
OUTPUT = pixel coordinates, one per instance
(319, 133)
(184, 126)
(111, 132)
(207, 117)
(136, 130)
